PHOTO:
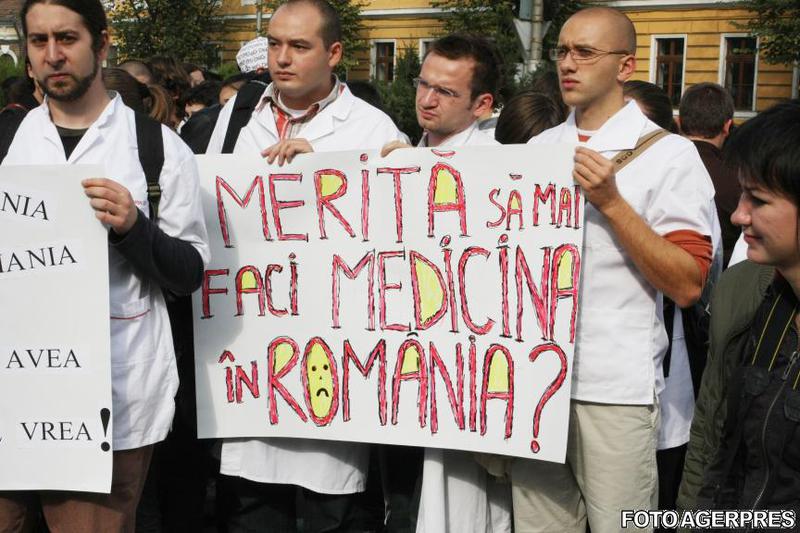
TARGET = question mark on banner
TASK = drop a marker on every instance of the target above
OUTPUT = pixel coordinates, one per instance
(550, 390)
(105, 416)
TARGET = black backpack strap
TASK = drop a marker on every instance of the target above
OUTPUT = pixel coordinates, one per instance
(246, 100)
(669, 326)
(9, 124)
(150, 141)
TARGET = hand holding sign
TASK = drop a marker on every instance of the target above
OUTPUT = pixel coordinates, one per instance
(113, 203)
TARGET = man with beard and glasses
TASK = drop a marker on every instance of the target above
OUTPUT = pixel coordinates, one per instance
(81, 123)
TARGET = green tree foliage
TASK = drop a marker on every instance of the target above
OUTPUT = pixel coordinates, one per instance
(7, 70)
(494, 20)
(399, 96)
(177, 28)
(557, 12)
(777, 22)
(350, 17)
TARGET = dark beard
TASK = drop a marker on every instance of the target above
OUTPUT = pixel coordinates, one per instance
(76, 92)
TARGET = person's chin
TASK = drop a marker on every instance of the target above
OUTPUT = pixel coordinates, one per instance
(426, 125)
(288, 87)
(572, 98)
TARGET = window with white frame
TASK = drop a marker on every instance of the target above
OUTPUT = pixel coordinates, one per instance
(739, 54)
(424, 44)
(669, 55)
(383, 61)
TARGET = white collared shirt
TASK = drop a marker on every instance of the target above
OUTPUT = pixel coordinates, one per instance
(143, 371)
(472, 136)
(621, 339)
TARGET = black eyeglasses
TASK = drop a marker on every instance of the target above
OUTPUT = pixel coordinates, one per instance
(582, 54)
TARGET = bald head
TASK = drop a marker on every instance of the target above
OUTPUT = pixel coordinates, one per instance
(138, 70)
(616, 27)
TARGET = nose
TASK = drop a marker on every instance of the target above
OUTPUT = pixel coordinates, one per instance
(741, 217)
(53, 53)
(284, 56)
(567, 64)
(427, 96)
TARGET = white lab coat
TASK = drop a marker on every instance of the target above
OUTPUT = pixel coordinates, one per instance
(326, 467)
(458, 494)
(676, 399)
(143, 371)
(621, 340)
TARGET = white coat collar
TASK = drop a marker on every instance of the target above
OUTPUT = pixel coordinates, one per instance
(93, 134)
(620, 132)
(322, 124)
(461, 138)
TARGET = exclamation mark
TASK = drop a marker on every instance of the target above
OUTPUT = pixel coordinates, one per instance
(105, 416)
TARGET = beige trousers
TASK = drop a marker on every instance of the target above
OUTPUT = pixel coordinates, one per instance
(610, 466)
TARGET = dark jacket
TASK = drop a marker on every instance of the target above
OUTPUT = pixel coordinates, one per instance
(743, 452)
(736, 299)
(726, 197)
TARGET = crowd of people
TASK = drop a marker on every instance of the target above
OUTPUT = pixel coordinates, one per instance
(671, 203)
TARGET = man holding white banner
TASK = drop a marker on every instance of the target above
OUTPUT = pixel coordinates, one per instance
(80, 123)
(305, 108)
(647, 232)
(456, 86)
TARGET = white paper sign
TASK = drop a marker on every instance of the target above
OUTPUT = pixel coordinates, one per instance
(55, 377)
(253, 55)
(427, 299)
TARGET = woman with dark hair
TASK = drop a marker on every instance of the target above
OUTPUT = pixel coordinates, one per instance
(653, 102)
(151, 100)
(169, 74)
(744, 451)
(526, 115)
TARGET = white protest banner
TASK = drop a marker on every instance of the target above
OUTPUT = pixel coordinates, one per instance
(55, 376)
(428, 298)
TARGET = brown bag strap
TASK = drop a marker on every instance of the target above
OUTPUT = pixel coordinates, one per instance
(644, 142)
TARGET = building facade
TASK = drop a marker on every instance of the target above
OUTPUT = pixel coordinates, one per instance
(684, 42)
(680, 43)
(10, 31)
(390, 26)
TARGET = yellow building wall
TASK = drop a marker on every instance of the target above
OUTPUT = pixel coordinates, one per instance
(704, 29)
(406, 31)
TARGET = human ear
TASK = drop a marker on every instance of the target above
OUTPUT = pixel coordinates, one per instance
(627, 66)
(483, 104)
(334, 54)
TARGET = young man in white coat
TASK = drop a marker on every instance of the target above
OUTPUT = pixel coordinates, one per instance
(305, 108)
(647, 232)
(80, 123)
(455, 88)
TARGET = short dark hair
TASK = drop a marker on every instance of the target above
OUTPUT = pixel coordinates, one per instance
(206, 93)
(653, 102)
(91, 12)
(704, 110)
(486, 74)
(764, 149)
(526, 115)
(330, 23)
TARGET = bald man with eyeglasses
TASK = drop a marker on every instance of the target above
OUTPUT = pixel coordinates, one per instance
(647, 234)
